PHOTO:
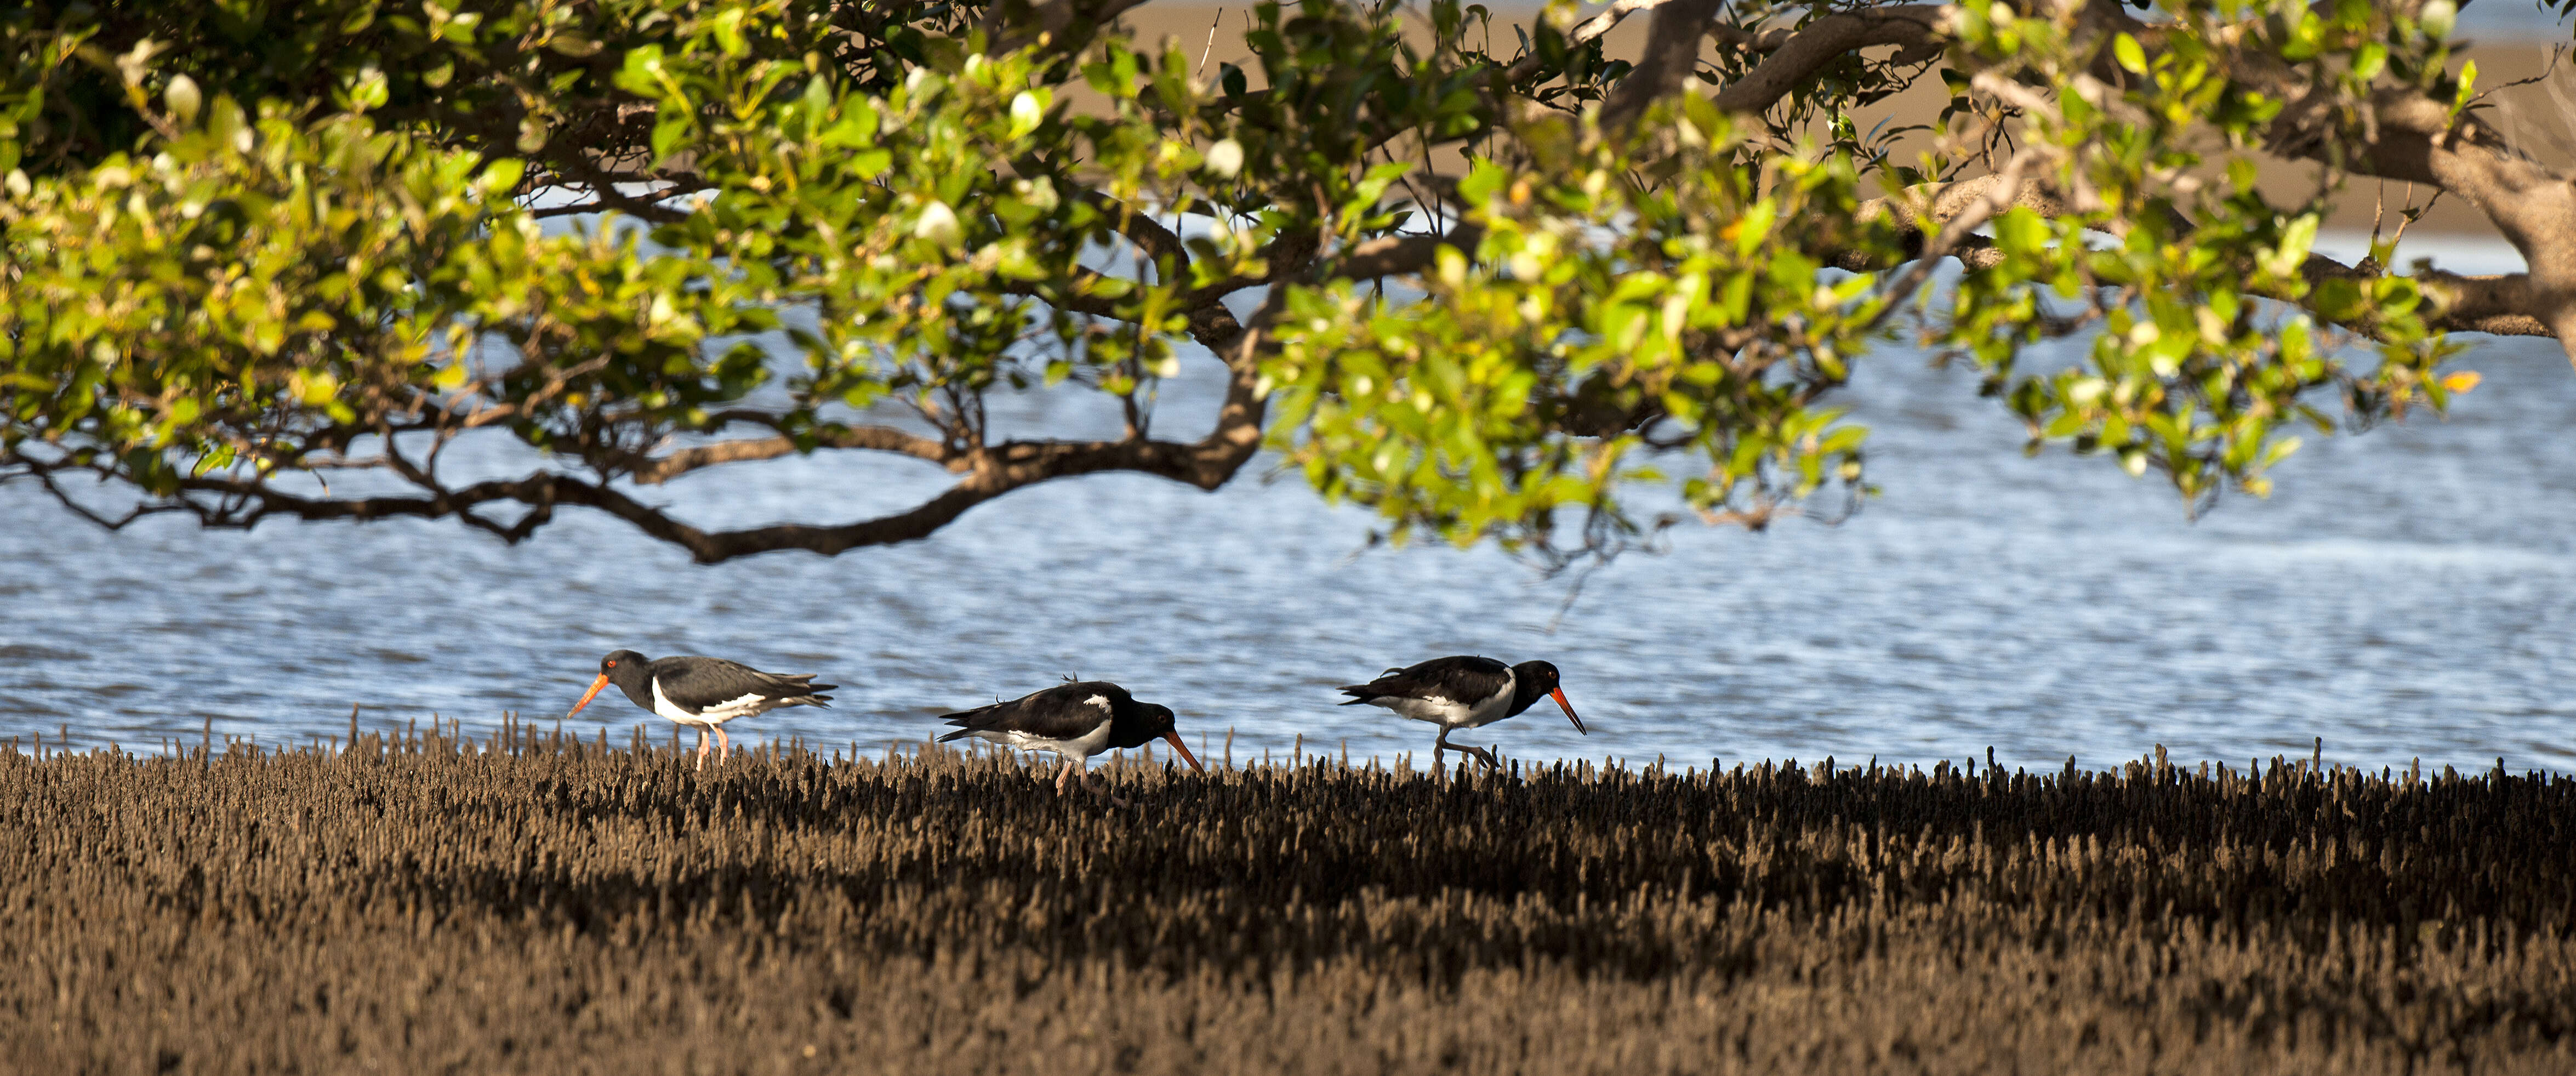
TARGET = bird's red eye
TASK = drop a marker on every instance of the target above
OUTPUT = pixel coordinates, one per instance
(612, 664)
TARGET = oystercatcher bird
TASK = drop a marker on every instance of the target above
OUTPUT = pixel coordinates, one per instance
(703, 693)
(1076, 721)
(1464, 692)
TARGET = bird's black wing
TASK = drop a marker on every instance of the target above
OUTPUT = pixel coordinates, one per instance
(1457, 679)
(1062, 712)
(698, 683)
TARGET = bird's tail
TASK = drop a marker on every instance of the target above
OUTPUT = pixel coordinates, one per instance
(1359, 693)
(803, 691)
(965, 721)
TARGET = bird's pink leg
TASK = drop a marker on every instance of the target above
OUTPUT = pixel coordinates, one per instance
(1478, 753)
(1064, 771)
(724, 746)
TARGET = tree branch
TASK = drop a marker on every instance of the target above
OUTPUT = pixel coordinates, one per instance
(1396, 255)
(1140, 228)
(2000, 193)
(2534, 206)
(2500, 305)
(1798, 55)
(661, 469)
(2407, 135)
(604, 192)
(1672, 53)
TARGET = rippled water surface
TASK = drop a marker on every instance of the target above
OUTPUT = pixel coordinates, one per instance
(2405, 594)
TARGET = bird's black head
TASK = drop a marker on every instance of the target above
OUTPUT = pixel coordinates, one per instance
(1537, 679)
(1154, 720)
(628, 670)
(1538, 674)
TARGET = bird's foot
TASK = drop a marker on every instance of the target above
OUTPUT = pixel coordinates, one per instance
(1483, 755)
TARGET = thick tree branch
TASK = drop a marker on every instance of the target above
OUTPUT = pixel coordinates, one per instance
(2534, 206)
(660, 469)
(1141, 229)
(2498, 304)
(1672, 53)
(1797, 56)
(1397, 255)
(2407, 135)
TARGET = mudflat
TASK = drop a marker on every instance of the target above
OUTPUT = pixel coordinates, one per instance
(529, 903)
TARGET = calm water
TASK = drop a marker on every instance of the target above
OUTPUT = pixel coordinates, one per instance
(2406, 594)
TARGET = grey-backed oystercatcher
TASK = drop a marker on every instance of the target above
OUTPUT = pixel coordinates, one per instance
(1076, 721)
(1463, 692)
(703, 693)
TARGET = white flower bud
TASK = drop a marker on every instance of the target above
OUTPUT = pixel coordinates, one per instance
(1225, 158)
(938, 224)
(184, 98)
(2437, 18)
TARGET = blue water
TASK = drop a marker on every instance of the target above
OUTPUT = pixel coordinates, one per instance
(2404, 595)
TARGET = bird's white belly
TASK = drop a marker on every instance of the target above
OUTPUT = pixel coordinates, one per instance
(1084, 746)
(714, 715)
(1440, 711)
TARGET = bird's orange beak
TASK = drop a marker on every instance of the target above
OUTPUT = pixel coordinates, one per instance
(1175, 737)
(1557, 694)
(593, 693)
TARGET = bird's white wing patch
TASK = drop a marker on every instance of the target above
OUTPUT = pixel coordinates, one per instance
(1434, 709)
(1442, 710)
(1101, 701)
(713, 715)
(741, 707)
(1083, 746)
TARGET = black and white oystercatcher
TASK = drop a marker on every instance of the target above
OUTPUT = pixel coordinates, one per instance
(703, 693)
(1464, 692)
(1076, 721)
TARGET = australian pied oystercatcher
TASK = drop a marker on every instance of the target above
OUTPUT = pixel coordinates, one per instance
(1076, 721)
(1463, 692)
(703, 693)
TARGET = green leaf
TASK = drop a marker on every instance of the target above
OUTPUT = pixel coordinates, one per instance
(2296, 240)
(2125, 48)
